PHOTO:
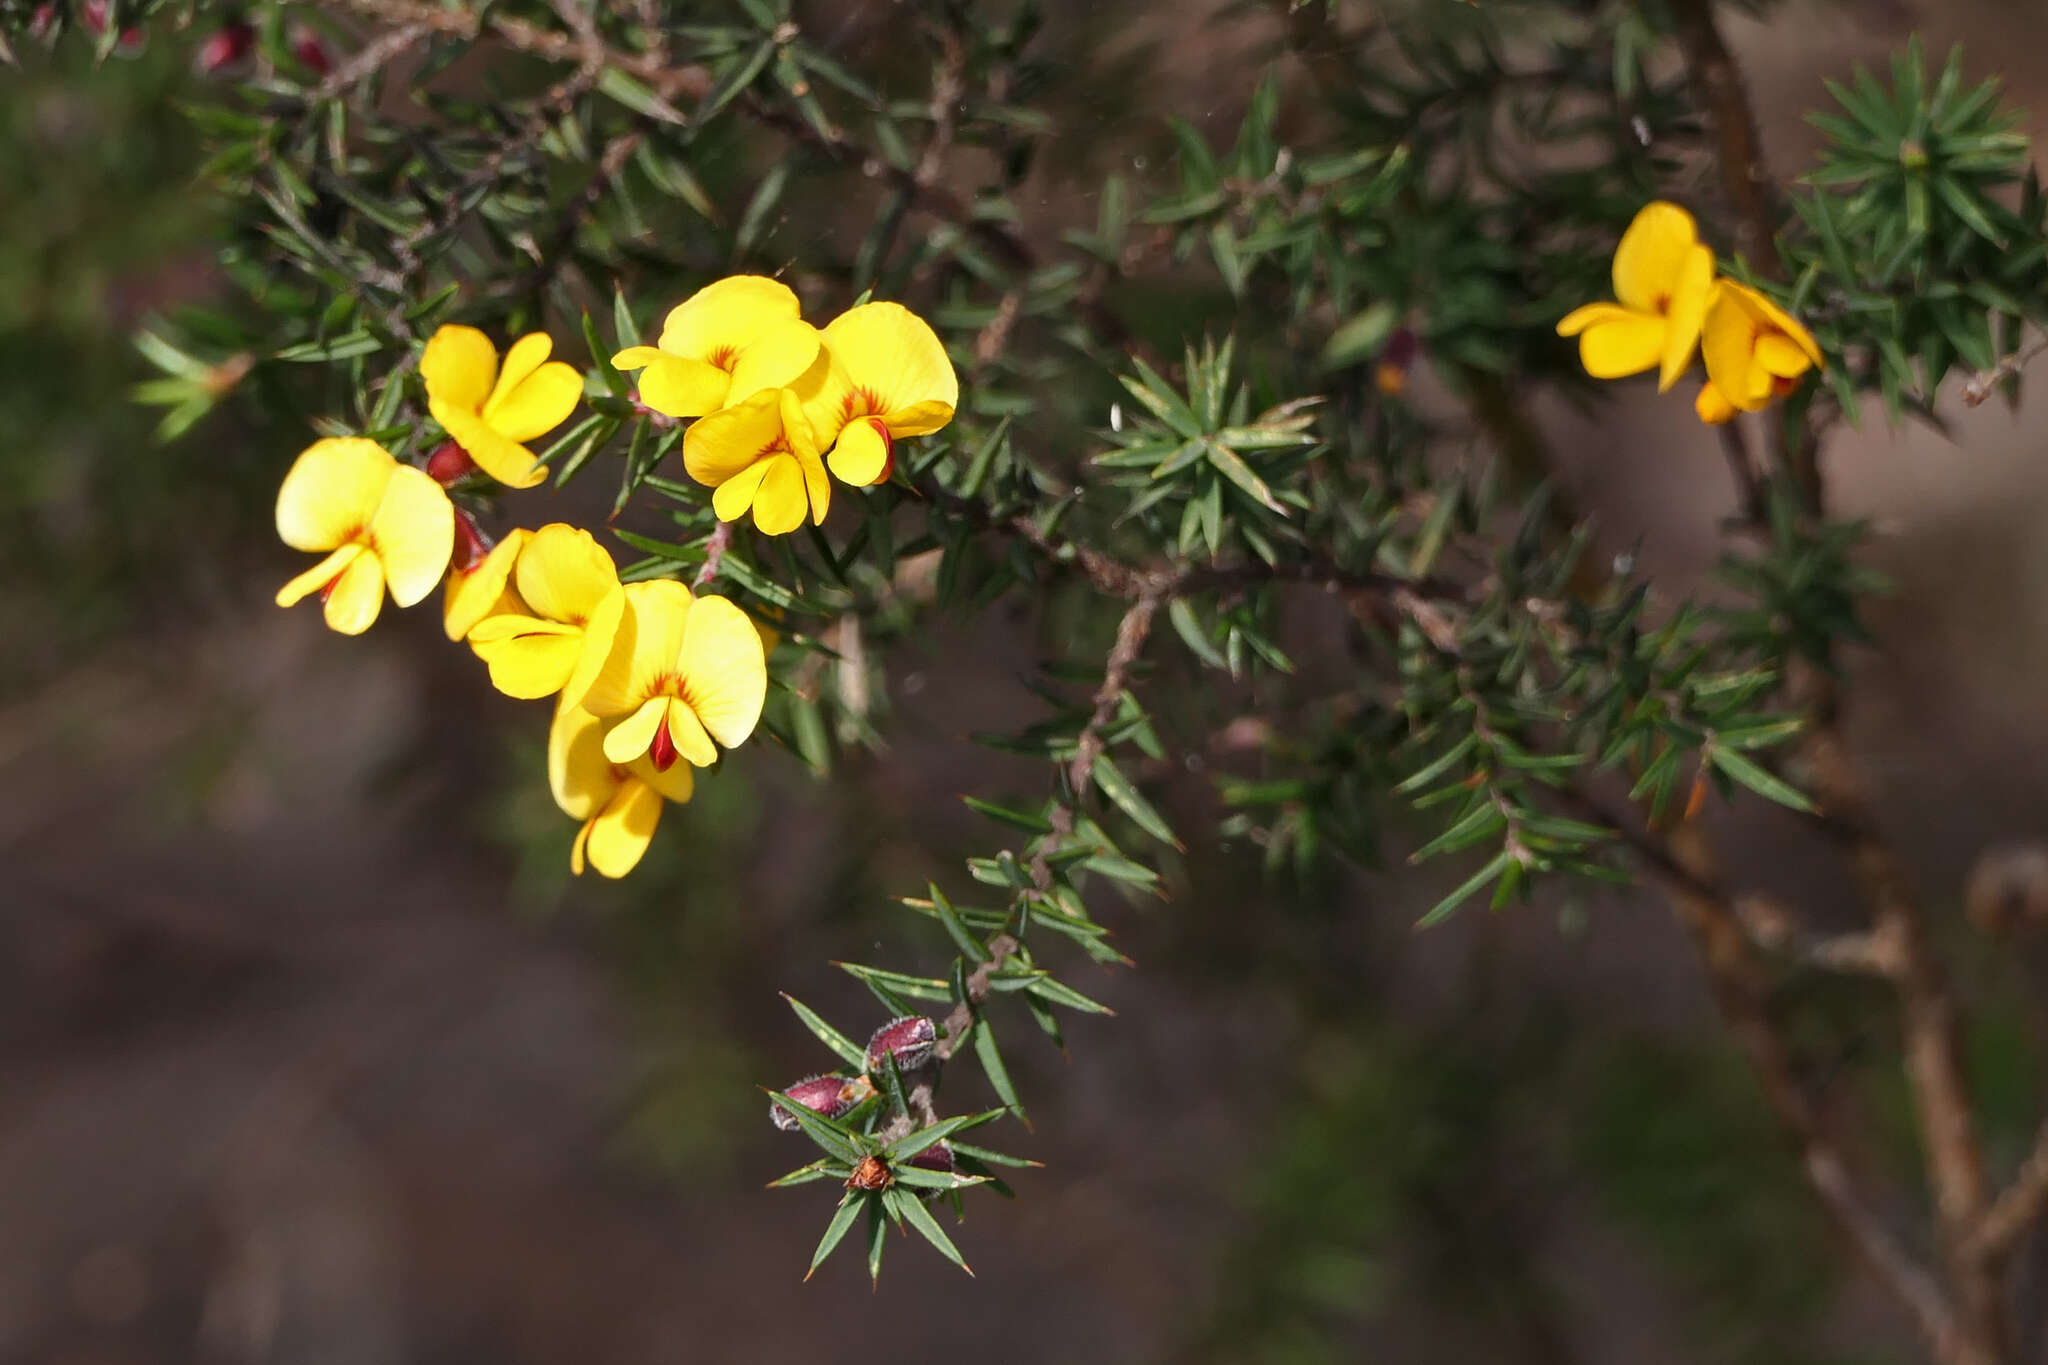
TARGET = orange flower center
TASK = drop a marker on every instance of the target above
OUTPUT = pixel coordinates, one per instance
(861, 402)
(724, 357)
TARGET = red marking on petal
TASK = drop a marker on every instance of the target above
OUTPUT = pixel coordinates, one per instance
(663, 754)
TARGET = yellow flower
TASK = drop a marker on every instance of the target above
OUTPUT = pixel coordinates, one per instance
(379, 522)
(492, 413)
(887, 377)
(1712, 406)
(566, 610)
(484, 590)
(760, 454)
(619, 806)
(722, 345)
(1754, 349)
(1662, 276)
(682, 672)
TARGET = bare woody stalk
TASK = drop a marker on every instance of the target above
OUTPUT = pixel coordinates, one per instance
(1974, 1264)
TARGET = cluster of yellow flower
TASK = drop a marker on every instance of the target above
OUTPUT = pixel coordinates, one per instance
(646, 673)
(1668, 302)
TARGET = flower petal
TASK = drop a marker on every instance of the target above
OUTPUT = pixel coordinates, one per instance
(414, 533)
(646, 646)
(474, 595)
(1688, 311)
(357, 596)
(596, 645)
(565, 573)
(619, 836)
(636, 357)
(1780, 356)
(459, 365)
(541, 402)
(1713, 406)
(719, 446)
(532, 664)
(687, 733)
(522, 358)
(892, 356)
(781, 502)
(1610, 350)
(727, 315)
(631, 737)
(320, 575)
(683, 387)
(731, 499)
(505, 460)
(861, 456)
(579, 774)
(1651, 259)
(577, 849)
(817, 487)
(777, 357)
(919, 419)
(331, 492)
(725, 674)
(1591, 314)
(678, 784)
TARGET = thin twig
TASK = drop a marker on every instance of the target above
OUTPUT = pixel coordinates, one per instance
(2017, 1206)
(1984, 384)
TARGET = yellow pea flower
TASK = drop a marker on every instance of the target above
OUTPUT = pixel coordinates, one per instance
(1754, 349)
(568, 608)
(484, 590)
(887, 376)
(1662, 277)
(683, 671)
(760, 454)
(620, 806)
(722, 345)
(380, 523)
(491, 412)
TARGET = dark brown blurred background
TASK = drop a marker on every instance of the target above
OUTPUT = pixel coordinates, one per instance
(310, 1050)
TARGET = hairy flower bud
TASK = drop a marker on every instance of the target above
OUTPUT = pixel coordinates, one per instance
(909, 1040)
(225, 46)
(830, 1095)
(872, 1173)
(449, 463)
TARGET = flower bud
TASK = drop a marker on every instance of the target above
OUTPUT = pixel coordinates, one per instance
(449, 463)
(311, 52)
(830, 1095)
(1397, 357)
(909, 1040)
(937, 1157)
(471, 544)
(871, 1174)
(225, 46)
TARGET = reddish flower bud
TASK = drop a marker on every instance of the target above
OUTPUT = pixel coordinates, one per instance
(448, 463)
(830, 1095)
(42, 21)
(93, 14)
(909, 1040)
(1397, 357)
(663, 752)
(937, 1157)
(471, 544)
(225, 46)
(311, 52)
(871, 1174)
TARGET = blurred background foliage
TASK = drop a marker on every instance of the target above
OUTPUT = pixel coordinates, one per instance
(1479, 1166)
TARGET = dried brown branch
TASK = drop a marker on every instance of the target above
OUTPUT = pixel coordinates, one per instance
(2017, 1207)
